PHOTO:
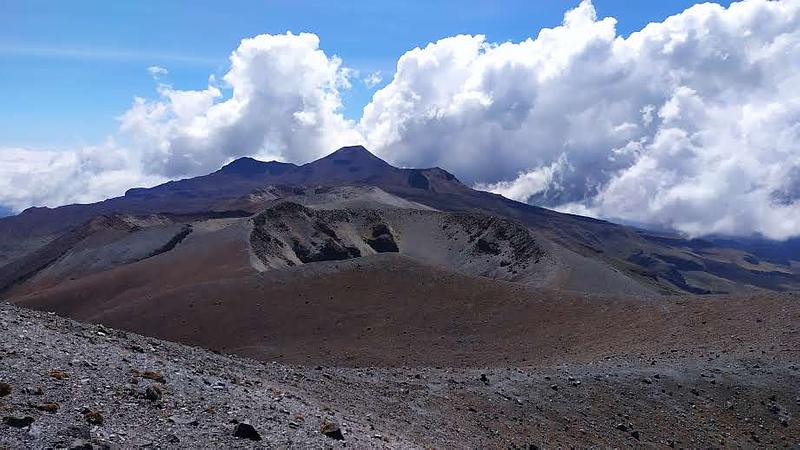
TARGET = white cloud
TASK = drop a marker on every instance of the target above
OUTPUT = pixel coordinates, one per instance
(53, 178)
(693, 122)
(373, 79)
(284, 103)
(157, 72)
(529, 184)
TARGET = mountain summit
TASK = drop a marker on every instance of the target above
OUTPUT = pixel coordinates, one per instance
(354, 153)
(249, 167)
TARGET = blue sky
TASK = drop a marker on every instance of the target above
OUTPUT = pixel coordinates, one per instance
(68, 69)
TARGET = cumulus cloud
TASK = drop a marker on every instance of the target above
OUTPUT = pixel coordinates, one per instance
(284, 101)
(280, 99)
(54, 178)
(691, 123)
(157, 72)
(373, 79)
(529, 184)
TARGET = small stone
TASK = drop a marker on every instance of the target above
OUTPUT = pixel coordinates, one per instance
(93, 416)
(484, 379)
(35, 431)
(184, 421)
(50, 407)
(635, 434)
(34, 390)
(246, 431)
(647, 381)
(59, 374)
(155, 376)
(153, 393)
(621, 427)
(5, 389)
(18, 422)
(332, 430)
(81, 432)
(554, 387)
(80, 444)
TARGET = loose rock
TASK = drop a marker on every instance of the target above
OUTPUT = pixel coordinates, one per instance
(155, 376)
(34, 390)
(50, 407)
(93, 416)
(332, 430)
(18, 422)
(246, 431)
(153, 393)
(59, 374)
(80, 444)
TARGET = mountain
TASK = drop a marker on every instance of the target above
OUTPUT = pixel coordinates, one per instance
(236, 179)
(591, 255)
(368, 294)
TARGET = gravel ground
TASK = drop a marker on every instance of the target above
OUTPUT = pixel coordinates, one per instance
(68, 377)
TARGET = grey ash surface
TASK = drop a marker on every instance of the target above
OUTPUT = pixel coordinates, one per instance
(202, 398)
(700, 399)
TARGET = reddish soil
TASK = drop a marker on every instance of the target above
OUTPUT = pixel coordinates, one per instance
(384, 309)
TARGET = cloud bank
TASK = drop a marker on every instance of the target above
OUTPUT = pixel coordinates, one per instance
(692, 123)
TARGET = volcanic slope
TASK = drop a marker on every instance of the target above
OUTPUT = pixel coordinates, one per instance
(223, 287)
(290, 234)
(491, 319)
(246, 186)
(67, 384)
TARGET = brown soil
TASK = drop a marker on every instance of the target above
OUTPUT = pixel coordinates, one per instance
(383, 309)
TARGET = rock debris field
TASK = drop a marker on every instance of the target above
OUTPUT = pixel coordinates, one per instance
(64, 384)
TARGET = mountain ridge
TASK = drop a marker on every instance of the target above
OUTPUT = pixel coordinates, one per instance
(237, 189)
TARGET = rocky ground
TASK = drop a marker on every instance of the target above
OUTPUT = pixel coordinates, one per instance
(66, 384)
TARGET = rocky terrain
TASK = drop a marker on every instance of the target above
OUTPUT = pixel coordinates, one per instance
(66, 384)
(347, 302)
(289, 234)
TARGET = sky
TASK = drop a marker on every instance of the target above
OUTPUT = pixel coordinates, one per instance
(664, 113)
(68, 69)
